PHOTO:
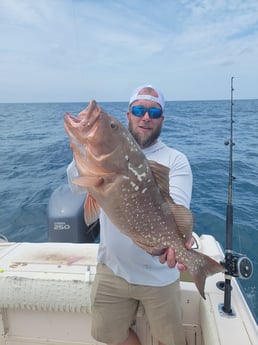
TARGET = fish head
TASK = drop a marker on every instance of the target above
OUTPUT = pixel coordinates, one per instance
(98, 140)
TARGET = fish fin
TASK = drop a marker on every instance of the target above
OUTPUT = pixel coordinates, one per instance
(89, 181)
(149, 249)
(184, 220)
(183, 216)
(91, 210)
(161, 175)
(207, 268)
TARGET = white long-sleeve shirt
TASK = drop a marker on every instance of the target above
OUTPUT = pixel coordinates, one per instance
(118, 251)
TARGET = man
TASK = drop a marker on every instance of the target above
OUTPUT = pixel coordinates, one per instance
(126, 274)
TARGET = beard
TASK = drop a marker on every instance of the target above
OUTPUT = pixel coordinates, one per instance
(145, 140)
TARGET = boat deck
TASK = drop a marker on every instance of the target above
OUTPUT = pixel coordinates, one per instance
(45, 299)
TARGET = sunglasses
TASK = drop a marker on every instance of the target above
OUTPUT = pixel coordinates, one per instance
(140, 110)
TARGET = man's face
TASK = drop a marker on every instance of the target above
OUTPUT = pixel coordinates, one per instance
(145, 129)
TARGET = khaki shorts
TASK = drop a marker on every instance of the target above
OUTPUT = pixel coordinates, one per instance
(115, 303)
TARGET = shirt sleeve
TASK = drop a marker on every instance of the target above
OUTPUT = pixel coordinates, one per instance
(181, 180)
(72, 173)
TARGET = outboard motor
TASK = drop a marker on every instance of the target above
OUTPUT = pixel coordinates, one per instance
(66, 218)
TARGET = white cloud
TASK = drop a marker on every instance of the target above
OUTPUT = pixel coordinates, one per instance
(66, 49)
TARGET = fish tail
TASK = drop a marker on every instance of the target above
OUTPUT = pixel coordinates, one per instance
(204, 267)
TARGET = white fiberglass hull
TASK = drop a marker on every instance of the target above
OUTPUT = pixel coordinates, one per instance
(45, 299)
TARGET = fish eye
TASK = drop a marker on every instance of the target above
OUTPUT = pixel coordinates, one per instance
(112, 125)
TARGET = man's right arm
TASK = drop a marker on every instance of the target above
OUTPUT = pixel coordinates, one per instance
(73, 173)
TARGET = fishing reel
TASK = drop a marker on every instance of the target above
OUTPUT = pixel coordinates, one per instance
(238, 265)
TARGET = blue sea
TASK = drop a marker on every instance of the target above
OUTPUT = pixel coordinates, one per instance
(35, 152)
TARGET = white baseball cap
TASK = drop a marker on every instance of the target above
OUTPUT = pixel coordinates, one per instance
(159, 99)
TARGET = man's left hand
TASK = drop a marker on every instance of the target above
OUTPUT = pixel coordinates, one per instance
(169, 256)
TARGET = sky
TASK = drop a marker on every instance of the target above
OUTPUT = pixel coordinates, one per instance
(78, 50)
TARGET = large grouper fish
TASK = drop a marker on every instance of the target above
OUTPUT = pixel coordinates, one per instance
(132, 191)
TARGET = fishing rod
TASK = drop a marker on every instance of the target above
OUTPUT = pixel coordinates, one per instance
(236, 264)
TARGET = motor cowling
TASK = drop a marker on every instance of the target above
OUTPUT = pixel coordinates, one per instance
(66, 218)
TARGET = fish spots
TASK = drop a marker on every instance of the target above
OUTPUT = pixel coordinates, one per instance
(135, 186)
(132, 145)
(137, 173)
(133, 149)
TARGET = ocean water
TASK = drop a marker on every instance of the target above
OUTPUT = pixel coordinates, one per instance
(35, 152)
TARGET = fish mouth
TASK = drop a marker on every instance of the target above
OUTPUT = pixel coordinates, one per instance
(71, 121)
(82, 125)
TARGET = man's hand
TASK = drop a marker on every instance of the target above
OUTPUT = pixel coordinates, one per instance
(169, 256)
